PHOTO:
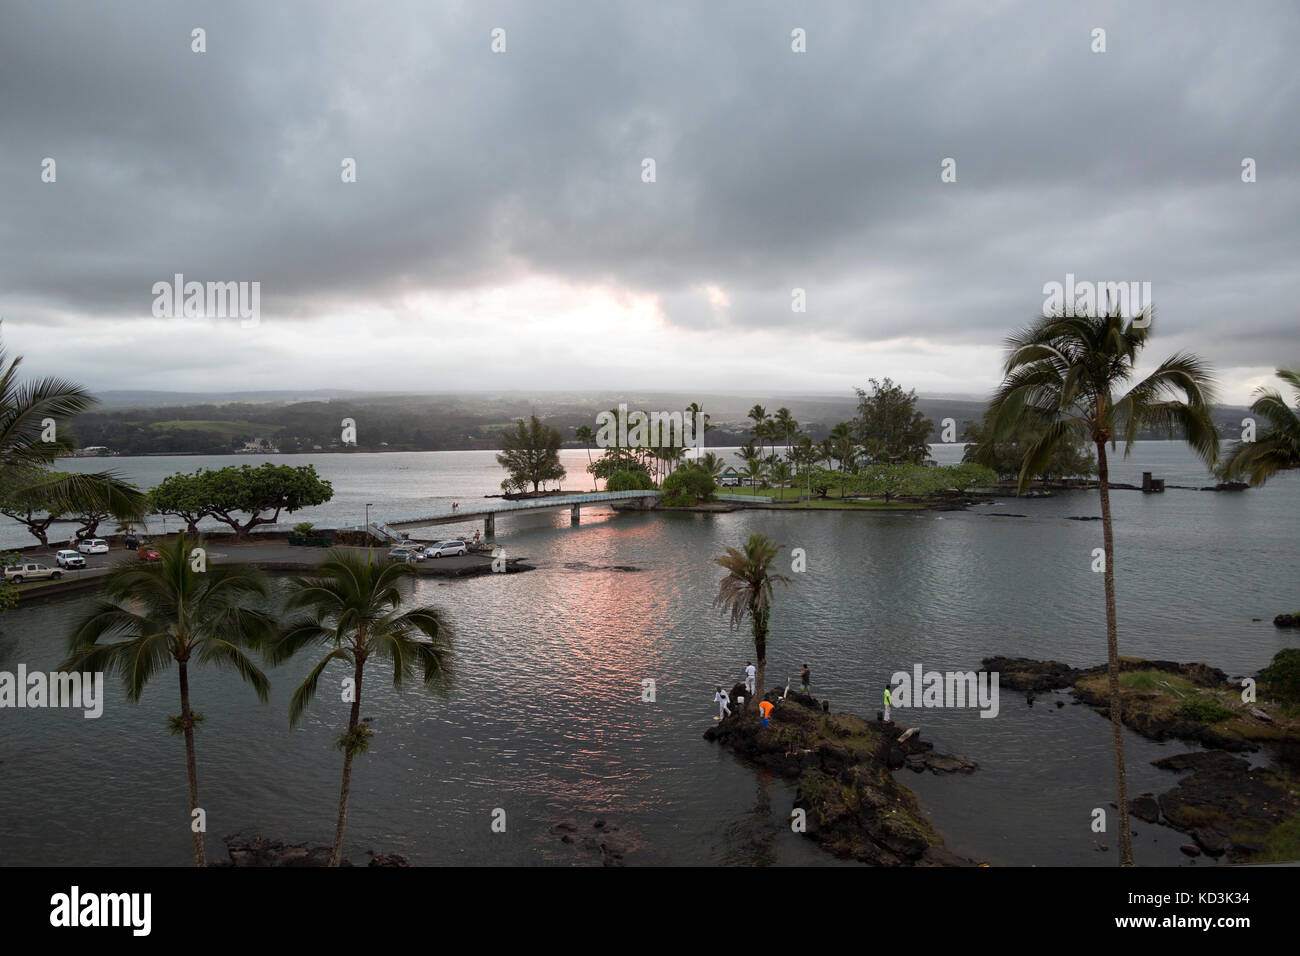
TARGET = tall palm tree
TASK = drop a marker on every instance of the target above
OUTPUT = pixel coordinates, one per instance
(785, 426)
(28, 445)
(1275, 449)
(352, 605)
(780, 472)
(169, 612)
(696, 409)
(585, 435)
(758, 415)
(747, 589)
(1061, 375)
(755, 471)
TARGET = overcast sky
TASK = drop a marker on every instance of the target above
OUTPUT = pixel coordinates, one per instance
(500, 235)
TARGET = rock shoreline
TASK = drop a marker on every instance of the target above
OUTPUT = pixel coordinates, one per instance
(253, 850)
(843, 766)
(1230, 808)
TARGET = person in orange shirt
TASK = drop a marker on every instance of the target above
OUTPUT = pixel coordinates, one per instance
(766, 707)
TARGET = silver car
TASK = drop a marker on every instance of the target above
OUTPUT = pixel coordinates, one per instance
(445, 549)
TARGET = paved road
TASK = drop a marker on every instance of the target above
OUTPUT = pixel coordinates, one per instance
(268, 553)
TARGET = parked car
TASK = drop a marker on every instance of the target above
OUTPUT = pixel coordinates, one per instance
(69, 559)
(445, 549)
(403, 553)
(131, 542)
(30, 571)
(147, 552)
(93, 546)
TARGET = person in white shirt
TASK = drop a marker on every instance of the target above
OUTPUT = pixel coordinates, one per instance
(723, 700)
(750, 671)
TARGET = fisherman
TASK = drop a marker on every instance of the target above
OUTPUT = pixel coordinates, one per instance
(766, 707)
(723, 700)
(805, 678)
(750, 671)
(889, 702)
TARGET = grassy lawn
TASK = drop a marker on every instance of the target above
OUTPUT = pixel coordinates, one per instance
(224, 429)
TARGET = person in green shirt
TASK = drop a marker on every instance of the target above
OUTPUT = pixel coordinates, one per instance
(889, 701)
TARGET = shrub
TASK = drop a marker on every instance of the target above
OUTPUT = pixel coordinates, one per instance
(1205, 710)
(304, 528)
(1282, 676)
(686, 486)
(631, 480)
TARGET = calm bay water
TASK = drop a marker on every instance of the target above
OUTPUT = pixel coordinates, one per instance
(545, 720)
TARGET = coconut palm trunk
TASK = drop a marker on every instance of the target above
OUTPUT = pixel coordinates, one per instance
(354, 720)
(191, 764)
(759, 617)
(1112, 660)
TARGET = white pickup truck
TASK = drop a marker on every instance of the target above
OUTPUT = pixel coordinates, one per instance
(30, 571)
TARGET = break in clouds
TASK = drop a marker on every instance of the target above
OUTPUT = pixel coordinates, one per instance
(500, 232)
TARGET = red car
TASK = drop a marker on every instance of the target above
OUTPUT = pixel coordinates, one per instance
(148, 553)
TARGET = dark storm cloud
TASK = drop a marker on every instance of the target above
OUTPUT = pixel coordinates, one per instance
(775, 170)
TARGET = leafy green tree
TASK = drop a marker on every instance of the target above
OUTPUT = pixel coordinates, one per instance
(1068, 377)
(531, 453)
(36, 513)
(688, 486)
(631, 479)
(262, 493)
(747, 590)
(169, 612)
(1277, 447)
(755, 472)
(352, 605)
(890, 428)
(185, 496)
(1071, 458)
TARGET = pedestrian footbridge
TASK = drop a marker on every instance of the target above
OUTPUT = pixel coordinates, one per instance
(489, 509)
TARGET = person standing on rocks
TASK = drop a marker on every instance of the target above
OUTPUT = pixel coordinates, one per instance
(889, 702)
(766, 707)
(805, 678)
(750, 673)
(723, 700)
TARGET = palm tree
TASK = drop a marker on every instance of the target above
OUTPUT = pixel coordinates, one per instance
(29, 444)
(168, 611)
(755, 471)
(747, 589)
(785, 426)
(352, 605)
(1061, 376)
(1275, 449)
(695, 409)
(758, 415)
(780, 476)
(711, 464)
(585, 435)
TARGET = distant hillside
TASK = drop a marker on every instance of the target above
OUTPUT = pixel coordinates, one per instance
(447, 422)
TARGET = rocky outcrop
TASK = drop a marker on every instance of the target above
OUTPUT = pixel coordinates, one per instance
(253, 850)
(1228, 806)
(843, 765)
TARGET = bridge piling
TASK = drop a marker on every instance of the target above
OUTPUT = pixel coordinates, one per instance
(573, 514)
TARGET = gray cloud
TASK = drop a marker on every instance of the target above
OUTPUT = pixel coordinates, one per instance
(775, 170)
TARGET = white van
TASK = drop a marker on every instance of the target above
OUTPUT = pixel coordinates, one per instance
(93, 546)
